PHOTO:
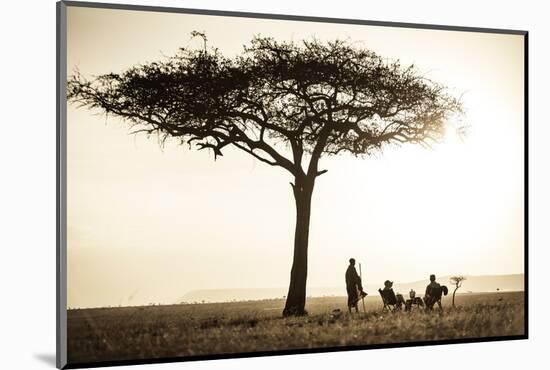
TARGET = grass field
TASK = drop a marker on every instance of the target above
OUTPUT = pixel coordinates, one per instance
(110, 334)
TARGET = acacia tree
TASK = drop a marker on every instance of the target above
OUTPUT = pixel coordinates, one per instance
(457, 282)
(287, 104)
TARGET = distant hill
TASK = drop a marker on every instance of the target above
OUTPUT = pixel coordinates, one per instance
(474, 284)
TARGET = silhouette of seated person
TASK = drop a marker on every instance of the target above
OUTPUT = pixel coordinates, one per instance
(389, 297)
(354, 287)
(413, 301)
(433, 294)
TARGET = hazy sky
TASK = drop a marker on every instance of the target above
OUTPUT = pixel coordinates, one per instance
(147, 224)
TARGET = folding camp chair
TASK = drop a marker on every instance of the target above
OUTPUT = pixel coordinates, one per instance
(392, 302)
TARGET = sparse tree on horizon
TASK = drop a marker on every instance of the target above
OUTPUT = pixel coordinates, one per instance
(287, 104)
(457, 282)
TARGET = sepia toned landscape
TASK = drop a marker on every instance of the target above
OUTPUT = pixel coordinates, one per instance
(289, 185)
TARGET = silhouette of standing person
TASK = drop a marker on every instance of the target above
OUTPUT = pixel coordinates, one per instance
(433, 294)
(353, 286)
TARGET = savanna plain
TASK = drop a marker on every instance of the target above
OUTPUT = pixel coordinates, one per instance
(187, 330)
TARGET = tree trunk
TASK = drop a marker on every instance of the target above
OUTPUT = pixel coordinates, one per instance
(454, 296)
(296, 297)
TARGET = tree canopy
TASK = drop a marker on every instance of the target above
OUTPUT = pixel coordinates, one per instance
(315, 97)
